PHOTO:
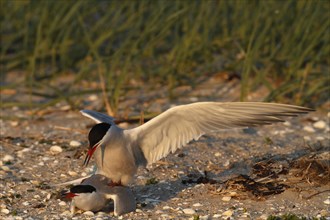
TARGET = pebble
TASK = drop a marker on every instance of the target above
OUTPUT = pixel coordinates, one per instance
(320, 125)
(226, 164)
(98, 218)
(75, 143)
(327, 201)
(7, 158)
(204, 217)
(263, 217)
(309, 129)
(5, 168)
(217, 216)
(72, 173)
(226, 198)
(217, 154)
(101, 214)
(307, 138)
(26, 203)
(189, 211)
(197, 204)
(5, 211)
(67, 212)
(166, 207)
(56, 149)
(228, 213)
(89, 213)
(62, 203)
(287, 123)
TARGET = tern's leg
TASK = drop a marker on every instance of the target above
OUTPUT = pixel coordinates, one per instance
(72, 208)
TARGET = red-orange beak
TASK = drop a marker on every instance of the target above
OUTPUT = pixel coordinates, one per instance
(70, 195)
(90, 154)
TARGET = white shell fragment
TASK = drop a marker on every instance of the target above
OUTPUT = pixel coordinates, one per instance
(75, 144)
(309, 129)
(189, 211)
(226, 198)
(320, 125)
(55, 149)
(7, 158)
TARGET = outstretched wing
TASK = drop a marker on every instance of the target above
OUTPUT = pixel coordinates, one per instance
(97, 116)
(177, 126)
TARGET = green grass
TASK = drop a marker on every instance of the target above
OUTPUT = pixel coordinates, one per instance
(283, 45)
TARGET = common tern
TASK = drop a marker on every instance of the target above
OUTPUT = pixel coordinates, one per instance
(119, 152)
(94, 193)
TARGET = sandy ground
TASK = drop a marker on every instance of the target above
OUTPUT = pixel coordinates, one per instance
(238, 174)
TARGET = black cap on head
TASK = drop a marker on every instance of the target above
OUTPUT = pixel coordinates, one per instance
(97, 133)
(83, 189)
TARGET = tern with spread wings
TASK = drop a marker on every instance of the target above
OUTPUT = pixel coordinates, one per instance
(119, 152)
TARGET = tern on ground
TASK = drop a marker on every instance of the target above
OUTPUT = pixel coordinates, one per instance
(119, 152)
(94, 193)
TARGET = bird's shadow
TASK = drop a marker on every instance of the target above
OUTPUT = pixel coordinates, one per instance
(149, 196)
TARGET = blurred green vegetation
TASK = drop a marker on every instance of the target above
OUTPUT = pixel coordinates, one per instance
(283, 45)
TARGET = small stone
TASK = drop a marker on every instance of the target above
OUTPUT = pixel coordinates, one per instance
(75, 143)
(189, 211)
(72, 173)
(226, 198)
(165, 216)
(5, 211)
(217, 216)
(101, 214)
(56, 149)
(166, 207)
(98, 218)
(319, 138)
(263, 217)
(67, 212)
(228, 213)
(159, 212)
(48, 196)
(197, 204)
(320, 125)
(307, 138)
(88, 213)
(7, 158)
(204, 217)
(309, 129)
(327, 201)
(287, 123)
(226, 164)
(5, 168)
(233, 193)
(217, 154)
(14, 123)
(26, 203)
(62, 203)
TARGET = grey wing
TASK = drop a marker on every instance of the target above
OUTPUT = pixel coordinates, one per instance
(97, 116)
(177, 126)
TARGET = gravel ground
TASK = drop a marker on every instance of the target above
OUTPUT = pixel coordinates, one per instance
(205, 179)
(236, 174)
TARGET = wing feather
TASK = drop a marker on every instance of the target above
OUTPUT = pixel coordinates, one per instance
(179, 125)
(97, 116)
